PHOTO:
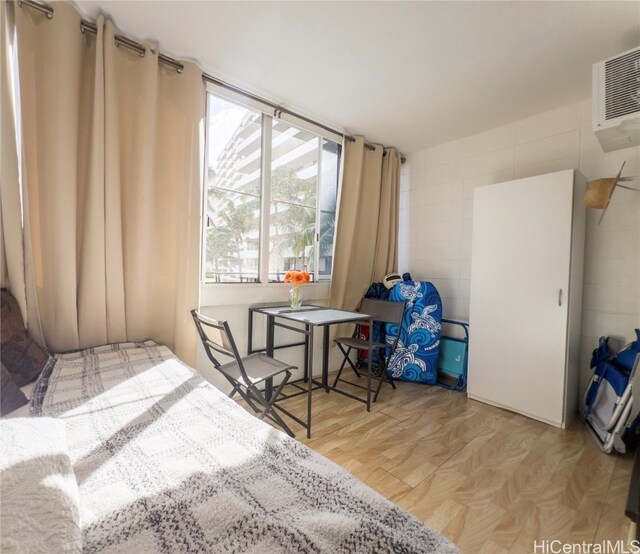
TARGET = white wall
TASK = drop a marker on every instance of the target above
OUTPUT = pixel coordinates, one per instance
(436, 210)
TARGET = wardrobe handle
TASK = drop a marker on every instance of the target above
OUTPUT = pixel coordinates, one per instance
(560, 297)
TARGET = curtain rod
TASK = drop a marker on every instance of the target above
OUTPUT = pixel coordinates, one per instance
(141, 50)
(43, 8)
(133, 45)
(120, 40)
(279, 110)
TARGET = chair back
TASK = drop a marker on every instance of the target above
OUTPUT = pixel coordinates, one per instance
(216, 337)
(385, 311)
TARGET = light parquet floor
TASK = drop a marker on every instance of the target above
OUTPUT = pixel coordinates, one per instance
(490, 480)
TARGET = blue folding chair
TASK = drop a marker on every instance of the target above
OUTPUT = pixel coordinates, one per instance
(453, 358)
(610, 412)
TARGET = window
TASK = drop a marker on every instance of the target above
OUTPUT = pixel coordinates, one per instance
(233, 193)
(270, 197)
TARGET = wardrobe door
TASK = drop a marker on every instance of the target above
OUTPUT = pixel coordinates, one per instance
(521, 249)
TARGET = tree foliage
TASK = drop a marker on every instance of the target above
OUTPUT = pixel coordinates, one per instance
(234, 226)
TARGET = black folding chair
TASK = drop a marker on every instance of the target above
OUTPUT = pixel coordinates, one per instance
(244, 374)
(383, 312)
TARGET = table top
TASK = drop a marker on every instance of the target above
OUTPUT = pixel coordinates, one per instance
(310, 314)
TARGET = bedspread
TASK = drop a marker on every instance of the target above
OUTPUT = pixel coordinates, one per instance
(165, 462)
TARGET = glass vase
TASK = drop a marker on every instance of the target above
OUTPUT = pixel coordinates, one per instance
(295, 297)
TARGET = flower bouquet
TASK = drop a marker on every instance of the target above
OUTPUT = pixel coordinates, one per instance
(296, 278)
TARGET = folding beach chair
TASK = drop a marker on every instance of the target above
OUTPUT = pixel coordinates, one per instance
(453, 358)
(610, 410)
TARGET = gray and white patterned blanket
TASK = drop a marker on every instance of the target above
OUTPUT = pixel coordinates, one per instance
(165, 462)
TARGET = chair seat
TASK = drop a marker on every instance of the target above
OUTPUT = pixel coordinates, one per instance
(244, 374)
(360, 344)
(380, 312)
(258, 368)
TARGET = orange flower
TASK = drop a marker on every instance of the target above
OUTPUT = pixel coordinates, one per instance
(297, 277)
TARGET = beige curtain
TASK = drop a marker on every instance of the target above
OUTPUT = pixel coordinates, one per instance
(11, 245)
(111, 187)
(386, 255)
(366, 234)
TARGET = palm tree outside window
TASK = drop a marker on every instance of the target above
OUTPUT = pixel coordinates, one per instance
(300, 192)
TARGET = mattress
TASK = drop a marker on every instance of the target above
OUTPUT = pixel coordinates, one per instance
(165, 462)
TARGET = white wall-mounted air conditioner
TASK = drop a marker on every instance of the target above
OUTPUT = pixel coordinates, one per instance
(616, 101)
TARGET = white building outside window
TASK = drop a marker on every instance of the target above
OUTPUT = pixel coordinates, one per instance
(270, 195)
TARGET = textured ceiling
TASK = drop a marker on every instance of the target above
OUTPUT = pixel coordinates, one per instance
(410, 74)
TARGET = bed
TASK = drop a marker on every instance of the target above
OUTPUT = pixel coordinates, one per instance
(165, 462)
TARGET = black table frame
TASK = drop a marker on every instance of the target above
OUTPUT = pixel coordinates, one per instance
(312, 384)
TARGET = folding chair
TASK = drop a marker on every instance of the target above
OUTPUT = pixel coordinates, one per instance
(612, 399)
(244, 374)
(383, 312)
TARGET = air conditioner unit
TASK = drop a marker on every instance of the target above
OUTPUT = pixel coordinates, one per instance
(616, 101)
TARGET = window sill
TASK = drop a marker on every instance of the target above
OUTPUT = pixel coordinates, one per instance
(227, 294)
(261, 285)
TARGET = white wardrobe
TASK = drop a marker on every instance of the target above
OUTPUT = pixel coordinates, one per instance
(526, 295)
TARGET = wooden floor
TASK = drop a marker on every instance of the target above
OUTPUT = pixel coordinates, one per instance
(490, 480)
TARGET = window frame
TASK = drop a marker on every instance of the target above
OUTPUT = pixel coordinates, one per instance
(265, 182)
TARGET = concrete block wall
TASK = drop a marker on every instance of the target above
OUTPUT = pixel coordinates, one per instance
(436, 212)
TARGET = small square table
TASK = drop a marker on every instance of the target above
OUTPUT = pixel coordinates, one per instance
(279, 315)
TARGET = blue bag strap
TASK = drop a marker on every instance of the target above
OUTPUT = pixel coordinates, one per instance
(600, 353)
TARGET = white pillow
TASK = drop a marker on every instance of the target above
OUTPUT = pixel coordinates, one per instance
(39, 492)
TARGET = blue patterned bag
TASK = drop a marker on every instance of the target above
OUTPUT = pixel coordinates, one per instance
(416, 356)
